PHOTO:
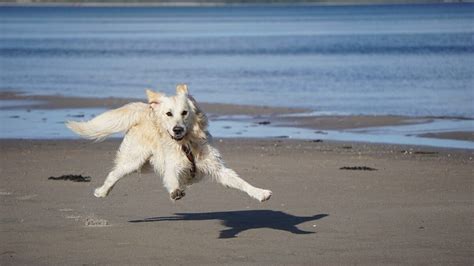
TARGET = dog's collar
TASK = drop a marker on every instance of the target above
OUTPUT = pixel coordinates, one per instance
(189, 154)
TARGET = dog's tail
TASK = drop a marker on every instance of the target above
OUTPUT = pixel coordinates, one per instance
(110, 122)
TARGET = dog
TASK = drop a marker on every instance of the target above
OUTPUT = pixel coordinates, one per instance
(169, 133)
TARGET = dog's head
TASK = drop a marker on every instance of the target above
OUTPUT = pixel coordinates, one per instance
(179, 114)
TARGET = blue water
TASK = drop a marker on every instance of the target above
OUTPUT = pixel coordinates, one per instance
(414, 60)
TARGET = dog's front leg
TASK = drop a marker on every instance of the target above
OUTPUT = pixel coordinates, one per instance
(171, 183)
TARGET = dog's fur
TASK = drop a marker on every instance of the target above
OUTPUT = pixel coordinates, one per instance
(157, 133)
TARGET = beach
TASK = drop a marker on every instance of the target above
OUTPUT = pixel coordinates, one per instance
(415, 208)
(359, 118)
(334, 202)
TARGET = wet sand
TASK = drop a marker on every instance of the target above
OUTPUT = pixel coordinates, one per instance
(276, 116)
(451, 135)
(337, 122)
(60, 102)
(415, 208)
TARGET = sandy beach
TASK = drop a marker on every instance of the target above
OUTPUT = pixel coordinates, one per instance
(415, 208)
(359, 118)
(334, 202)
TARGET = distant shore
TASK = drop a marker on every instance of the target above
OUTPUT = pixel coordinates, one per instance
(216, 3)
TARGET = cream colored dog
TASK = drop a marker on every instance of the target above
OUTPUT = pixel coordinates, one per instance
(170, 133)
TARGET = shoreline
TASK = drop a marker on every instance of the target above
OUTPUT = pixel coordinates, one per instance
(242, 118)
(418, 199)
(52, 102)
(337, 146)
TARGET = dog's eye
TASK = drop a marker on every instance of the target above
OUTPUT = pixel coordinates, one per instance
(169, 114)
(184, 113)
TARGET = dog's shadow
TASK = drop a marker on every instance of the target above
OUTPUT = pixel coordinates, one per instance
(239, 221)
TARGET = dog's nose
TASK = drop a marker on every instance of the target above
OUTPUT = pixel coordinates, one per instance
(178, 130)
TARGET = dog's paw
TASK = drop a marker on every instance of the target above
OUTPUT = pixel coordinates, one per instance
(100, 193)
(265, 195)
(177, 194)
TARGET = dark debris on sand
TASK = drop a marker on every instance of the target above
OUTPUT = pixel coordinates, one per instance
(73, 178)
(360, 168)
(419, 152)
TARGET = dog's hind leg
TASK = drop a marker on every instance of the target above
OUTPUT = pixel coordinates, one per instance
(230, 178)
(130, 157)
(213, 166)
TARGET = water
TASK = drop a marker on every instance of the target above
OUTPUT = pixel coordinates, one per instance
(414, 60)
(49, 124)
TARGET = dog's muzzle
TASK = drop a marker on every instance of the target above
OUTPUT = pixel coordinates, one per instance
(178, 133)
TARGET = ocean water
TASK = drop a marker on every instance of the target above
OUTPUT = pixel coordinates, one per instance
(414, 60)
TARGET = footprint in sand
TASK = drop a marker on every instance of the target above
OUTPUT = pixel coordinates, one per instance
(90, 221)
(93, 221)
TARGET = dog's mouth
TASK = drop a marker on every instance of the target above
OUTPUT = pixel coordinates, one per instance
(177, 137)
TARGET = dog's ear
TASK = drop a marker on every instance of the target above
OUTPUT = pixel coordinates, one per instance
(154, 98)
(200, 122)
(182, 89)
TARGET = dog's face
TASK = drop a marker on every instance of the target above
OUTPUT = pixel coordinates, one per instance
(175, 113)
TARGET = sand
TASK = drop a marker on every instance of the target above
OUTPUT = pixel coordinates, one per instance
(416, 208)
